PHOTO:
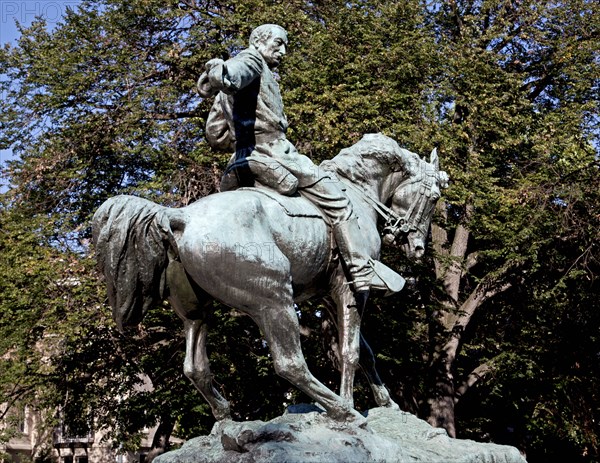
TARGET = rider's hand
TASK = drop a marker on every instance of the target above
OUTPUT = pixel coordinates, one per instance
(213, 63)
(211, 80)
(214, 70)
(204, 87)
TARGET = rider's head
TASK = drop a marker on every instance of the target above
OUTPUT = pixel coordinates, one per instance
(270, 40)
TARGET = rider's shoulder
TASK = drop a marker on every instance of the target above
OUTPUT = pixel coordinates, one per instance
(250, 54)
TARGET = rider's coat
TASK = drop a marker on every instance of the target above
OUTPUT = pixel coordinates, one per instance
(248, 116)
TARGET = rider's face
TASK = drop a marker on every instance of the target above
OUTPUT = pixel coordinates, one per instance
(273, 48)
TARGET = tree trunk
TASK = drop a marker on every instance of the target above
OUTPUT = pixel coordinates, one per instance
(441, 394)
(443, 335)
(160, 442)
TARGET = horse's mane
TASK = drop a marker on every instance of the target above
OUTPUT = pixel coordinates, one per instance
(355, 163)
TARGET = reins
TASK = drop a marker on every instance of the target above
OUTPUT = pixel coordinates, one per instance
(394, 223)
(391, 218)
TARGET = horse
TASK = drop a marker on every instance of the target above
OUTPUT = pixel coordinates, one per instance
(262, 253)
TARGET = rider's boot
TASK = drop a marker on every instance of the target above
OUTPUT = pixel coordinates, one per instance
(365, 272)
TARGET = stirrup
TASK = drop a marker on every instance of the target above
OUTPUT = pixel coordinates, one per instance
(384, 278)
(380, 278)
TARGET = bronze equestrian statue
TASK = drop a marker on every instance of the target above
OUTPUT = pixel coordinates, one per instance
(260, 251)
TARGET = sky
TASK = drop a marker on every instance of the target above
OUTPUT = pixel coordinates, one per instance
(24, 12)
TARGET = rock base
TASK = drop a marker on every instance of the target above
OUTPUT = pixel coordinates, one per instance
(390, 436)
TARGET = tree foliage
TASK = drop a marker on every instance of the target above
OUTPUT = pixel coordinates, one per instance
(496, 337)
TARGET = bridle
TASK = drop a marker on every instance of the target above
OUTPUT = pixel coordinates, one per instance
(420, 208)
(412, 219)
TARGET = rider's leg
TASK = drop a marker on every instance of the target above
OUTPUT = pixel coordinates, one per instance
(365, 272)
(324, 191)
(264, 170)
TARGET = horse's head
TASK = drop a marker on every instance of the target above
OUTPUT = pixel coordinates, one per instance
(414, 201)
(382, 171)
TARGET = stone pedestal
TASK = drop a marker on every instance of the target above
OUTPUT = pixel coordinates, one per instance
(390, 436)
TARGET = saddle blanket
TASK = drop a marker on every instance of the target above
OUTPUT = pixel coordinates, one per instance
(294, 206)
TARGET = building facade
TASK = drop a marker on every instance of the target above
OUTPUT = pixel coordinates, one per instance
(32, 441)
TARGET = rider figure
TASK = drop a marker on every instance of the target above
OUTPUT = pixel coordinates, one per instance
(248, 116)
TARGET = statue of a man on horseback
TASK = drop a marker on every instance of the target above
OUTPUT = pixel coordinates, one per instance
(190, 255)
(248, 116)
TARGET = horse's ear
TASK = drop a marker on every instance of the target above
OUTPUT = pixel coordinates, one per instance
(434, 159)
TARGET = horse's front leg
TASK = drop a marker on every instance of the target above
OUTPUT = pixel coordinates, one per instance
(282, 332)
(367, 365)
(348, 318)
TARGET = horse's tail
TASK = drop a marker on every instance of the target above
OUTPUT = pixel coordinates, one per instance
(132, 237)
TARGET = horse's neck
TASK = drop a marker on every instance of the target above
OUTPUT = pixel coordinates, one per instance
(373, 178)
(359, 203)
(379, 187)
(389, 185)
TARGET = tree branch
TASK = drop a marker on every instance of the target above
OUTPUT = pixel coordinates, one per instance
(458, 251)
(477, 374)
(483, 292)
(536, 87)
(172, 116)
(14, 397)
(509, 38)
(457, 322)
(471, 260)
(457, 18)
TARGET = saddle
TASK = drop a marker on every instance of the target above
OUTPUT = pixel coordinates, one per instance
(291, 204)
(261, 169)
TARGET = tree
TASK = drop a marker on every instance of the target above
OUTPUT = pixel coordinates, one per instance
(508, 90)
(514, 70)
(40, 289)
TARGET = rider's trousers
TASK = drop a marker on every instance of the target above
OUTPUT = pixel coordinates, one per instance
(319, 186)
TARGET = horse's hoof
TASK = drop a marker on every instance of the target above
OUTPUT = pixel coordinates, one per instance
(392, 405)
(350, 416)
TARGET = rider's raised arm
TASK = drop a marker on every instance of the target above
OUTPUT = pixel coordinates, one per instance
(232, 75)
(240, 71)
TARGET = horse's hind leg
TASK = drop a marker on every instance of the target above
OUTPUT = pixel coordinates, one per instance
(282, 332)
(196, 367)
(185, 296)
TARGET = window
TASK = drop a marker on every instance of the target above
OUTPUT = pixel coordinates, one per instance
(20, 419)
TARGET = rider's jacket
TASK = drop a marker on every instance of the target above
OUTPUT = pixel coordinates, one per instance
(249, 110)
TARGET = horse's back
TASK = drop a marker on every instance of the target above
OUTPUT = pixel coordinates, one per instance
(245, 245)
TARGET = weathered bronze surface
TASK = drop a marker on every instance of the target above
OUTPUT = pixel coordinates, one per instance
(261, 255)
